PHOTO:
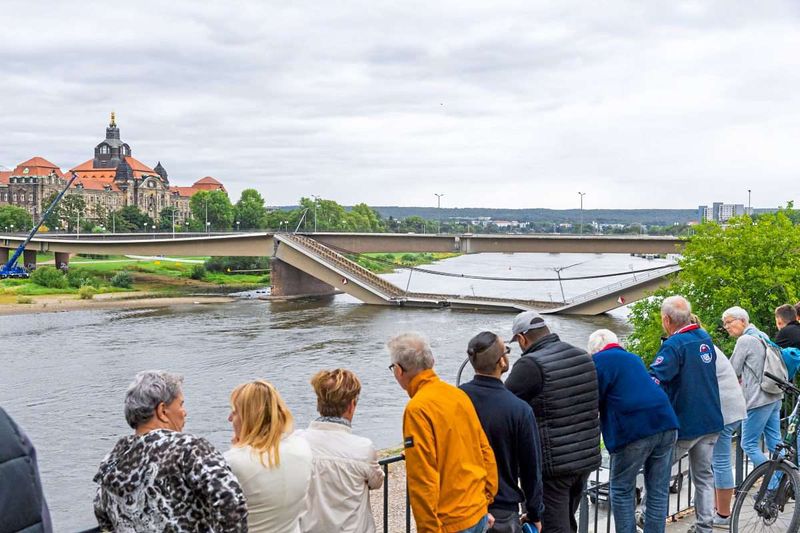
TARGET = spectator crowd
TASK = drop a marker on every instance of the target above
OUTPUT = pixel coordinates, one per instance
(490, 455)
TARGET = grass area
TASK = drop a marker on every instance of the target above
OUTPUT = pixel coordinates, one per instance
(161, 276)
(383, 263)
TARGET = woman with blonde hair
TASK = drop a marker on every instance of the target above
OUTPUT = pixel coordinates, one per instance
(273, 466)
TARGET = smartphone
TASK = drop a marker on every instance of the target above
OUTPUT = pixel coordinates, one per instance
(529, 528)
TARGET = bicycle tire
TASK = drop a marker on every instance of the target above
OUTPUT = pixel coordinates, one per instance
(746, 519)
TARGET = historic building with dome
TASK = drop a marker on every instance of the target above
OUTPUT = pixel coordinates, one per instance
(108, 182)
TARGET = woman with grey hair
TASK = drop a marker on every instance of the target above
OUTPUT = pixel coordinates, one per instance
(160, 479)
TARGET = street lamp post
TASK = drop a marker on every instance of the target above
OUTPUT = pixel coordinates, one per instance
(78, 228)
(581, 194)
(173, 222)
(749, 205)
(208, 227)
(316, 201)
(439, 211)
(206, 211)
(154, 231)
(237, 225)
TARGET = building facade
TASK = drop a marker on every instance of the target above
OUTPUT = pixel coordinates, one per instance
(109, 181)
(719, 212)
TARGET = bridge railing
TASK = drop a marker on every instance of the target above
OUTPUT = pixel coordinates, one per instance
(636, 279)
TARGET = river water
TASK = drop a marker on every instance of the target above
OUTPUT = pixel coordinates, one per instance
(64, 375)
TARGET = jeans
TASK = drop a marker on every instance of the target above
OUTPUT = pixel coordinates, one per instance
(654, 453)
(480, 527)
(764, 420)
(505, 521)
(562, 495)
(701, 453)
(723, 471)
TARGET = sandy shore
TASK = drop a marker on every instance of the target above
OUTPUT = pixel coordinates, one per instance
(127, 300)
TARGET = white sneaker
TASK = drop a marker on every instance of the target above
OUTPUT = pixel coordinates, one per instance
(720, 522)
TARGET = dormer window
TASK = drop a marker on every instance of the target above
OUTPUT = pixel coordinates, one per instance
(105, 149)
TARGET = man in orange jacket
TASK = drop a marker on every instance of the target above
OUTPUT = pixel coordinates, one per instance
(452, 474)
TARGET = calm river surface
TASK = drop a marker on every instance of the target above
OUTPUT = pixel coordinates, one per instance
(64, 375)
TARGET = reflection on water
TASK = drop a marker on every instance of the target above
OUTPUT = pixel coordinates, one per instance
(64, 374)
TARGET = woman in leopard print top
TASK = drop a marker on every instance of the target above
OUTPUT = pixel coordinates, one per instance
(160, 479)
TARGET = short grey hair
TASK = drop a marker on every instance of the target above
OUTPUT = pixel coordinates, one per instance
(411, 351)
(736, 312)
(601, 338)
(149, 389)
(678, 309)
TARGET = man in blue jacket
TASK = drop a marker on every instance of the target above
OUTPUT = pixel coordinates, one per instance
(639, 430)
(510, 426)
(685, 367)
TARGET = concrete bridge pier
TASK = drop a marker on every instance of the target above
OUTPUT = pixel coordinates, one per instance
(5, 253)
(289, 281)
(29, 258)
(62, 258)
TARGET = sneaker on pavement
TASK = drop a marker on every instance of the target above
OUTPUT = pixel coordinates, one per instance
(639, 519)
(721, 523)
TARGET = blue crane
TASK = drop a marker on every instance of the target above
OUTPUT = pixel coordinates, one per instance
(11, 269)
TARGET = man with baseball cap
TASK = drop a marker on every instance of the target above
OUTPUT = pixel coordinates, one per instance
(559, 381)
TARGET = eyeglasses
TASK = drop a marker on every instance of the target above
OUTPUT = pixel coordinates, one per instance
(391, 367)
(506, 351)
(728, 322)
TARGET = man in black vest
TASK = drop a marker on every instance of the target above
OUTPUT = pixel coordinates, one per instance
(559, 381)
(788, 327)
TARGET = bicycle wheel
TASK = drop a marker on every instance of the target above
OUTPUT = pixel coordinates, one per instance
(776, 511)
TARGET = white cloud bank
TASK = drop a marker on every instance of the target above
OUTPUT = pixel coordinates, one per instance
(506, 104)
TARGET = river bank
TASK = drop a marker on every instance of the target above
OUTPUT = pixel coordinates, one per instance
(127, 300)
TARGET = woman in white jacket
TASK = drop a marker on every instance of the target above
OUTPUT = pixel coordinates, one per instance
(273, 466)
(345, 465)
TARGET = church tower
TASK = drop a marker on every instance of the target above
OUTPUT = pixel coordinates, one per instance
(111, 151)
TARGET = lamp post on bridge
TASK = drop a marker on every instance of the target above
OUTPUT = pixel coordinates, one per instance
(439, 211)
(316, 201)
(581, 194)
(749, 205)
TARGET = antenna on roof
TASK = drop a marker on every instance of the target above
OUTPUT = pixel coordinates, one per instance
(113, 120)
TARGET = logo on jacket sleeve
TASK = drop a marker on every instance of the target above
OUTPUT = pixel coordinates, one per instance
(705, 353)
(658, 361)
(408, 442)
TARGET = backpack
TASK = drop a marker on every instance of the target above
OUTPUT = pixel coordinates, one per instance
(775, 365)
(791, 356)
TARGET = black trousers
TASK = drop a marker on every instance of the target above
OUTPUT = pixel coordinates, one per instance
(561, 496)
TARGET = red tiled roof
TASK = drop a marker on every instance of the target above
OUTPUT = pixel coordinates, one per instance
(37, 166)
(95, 184)
(184, 191)
(208, 184)
(87, 169)
(4, 176)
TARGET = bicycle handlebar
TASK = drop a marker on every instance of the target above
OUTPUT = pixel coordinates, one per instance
(782, 383)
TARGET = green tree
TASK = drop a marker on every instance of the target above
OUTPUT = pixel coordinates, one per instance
(250, 211)
(363, 218)
(165, 218)
(11, 215)
(129, 219)
(752, 264)
(217, 205)
(67, 212)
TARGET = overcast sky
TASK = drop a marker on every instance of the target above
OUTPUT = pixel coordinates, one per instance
(494, 104)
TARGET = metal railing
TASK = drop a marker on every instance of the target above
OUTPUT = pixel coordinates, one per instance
(627, 282)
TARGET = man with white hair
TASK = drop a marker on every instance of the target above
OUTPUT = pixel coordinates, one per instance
(452, 474)
(685, 367)
(639, 430)
(763, 408)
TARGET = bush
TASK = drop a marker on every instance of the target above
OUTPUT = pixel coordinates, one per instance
(226, 264)
(197, 272)
(24, 299)
(77, 278)
(122, 279)
(87, 292)
(49, 277)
